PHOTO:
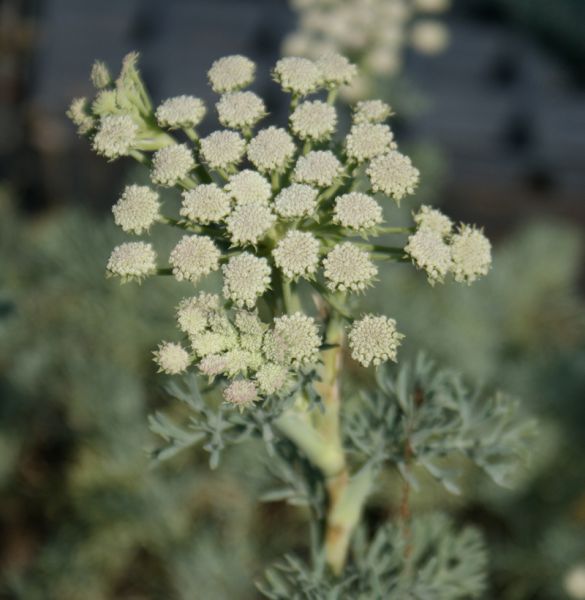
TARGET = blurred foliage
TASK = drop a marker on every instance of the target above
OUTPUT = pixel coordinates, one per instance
(82, 516)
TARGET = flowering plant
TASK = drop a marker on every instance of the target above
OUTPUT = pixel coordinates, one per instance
(287, 216)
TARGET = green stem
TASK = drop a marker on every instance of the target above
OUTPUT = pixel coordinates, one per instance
(290, 298)
(397, 230)
(275, 181)
(311, 442)
(332, 96)
(344, 515)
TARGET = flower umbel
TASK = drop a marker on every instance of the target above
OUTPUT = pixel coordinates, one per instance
(280, 223)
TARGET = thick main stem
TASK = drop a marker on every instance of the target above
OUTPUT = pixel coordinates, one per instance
(346, 495)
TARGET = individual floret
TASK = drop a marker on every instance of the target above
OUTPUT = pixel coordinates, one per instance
(299, 76)
(428, 251)
(222, 149)
(137, 209)
(294, 341)
(194, 257)
(240, 110)
(132, 261)
(296, 201)
(245, 278)
(271, 149)
(207, 203)
(431, 218)
(116, 136)
(374, 339)
(314, 120)
(248, 223)
(249, 187)
(231, 73)
(471, 253)
(207, 343)
(319, 168)
(336, 70)
(213, 365)
(348, 268)
(171, 164)
(357, 211)
(368, 140)
(180, 112)
(241, 393)
(272, 378)
(193, 313)
(297, 254)
(78, 113)
(393, 174)
(172, 358)
(371, 111)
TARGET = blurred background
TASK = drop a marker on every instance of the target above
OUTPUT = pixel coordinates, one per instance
(490, 102)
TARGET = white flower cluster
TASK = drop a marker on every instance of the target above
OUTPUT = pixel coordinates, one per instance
(375, 32)
(263, 211)
(434, 248)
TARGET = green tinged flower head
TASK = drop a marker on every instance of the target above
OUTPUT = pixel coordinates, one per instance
(264, 212)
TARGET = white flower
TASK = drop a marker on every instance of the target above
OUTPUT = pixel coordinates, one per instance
(222, 149)
(429, 37)
(367, 140)
(249, 222)
(193, 313)
(428, 251)
(100, 75)
(271, 149)
(251, 330)
(336, 70)
(212, 342)
(314, 120)
(240, 109)
(374, 339)
(574, 582)
(171, 164)
(239, 361)
(357, 211)
(213, 365)
(393, 174)
(432, 6)
(231, 73)
(137, 209)
(115, 136)
(471, 252)
(132, 260)
(241, 393)
(297, 254)
(194, 257)
(348, 268)
(271, 378)
(299, 76)
(431, 218)
(294, 341)
(180, 112)
(319, 168)
(249, 187)
(245, 278)
(78, 114)
(171, 358)
(207, 203)
(296, 201)
(371, 111)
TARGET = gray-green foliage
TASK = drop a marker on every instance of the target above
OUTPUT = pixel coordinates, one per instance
(426, 415)
(76, 382)
(425, 559)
